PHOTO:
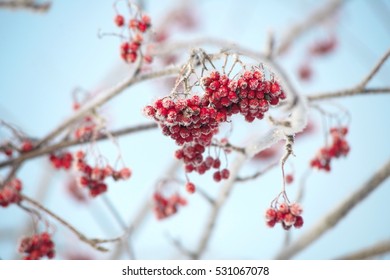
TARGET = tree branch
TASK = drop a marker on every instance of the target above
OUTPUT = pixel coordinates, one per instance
(70, 143)
(337, 214)
(27, 5)
(360, 88)
(380, 248)
(108, 95)
(92, 242)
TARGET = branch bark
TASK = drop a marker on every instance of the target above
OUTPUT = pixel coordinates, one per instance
(337, 214)
(26, 5)
(380, 248)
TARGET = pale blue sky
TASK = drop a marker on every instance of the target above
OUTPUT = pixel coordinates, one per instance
(45, 56)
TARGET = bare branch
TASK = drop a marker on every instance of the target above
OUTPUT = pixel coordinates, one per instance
(375, 70)
(337, 214)
(219, 202)
(26, 5)
(108, 95)
(92, 242)
(347, 92)
(316, 18)
(70, 143)
(360, 88)
(257, 174)
(380, 248)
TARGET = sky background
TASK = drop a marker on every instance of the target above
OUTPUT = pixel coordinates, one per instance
(44, 57)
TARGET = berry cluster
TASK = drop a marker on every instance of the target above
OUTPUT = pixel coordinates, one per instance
(193, 121)
(10, 193)
(287, 215)
(250, 95)
(136, 26)
(165, 207)
(86, 129)
(37, 246)
(93, 177)
(61, 160)
(338, 147)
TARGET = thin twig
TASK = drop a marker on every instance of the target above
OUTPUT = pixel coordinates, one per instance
(380, 248)
(337, 213)
(360, 88)
(70, 143)
(375, 70)
(105, 97)
(92, 242)
(257, 174)
(26, 5)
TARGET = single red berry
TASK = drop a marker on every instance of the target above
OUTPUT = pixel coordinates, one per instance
(298, 222)
(296, 209)
(225, 173)
(289, 178)
(26, 146)
(270, 214)
(190, 187)
(119, 20)
(125, 173)
(217, 176)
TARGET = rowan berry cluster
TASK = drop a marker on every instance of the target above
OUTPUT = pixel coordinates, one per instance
(37, 246)
(93, 177)
(193, 121)
(287, 215)
(166, 206)
(10, 193)
(136, 26)
(337, 148)
(61, 160)
(250, 95)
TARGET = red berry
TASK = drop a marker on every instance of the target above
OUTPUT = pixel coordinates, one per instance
(217, 176)
(190, 187)
(225, 173)
(119, 20)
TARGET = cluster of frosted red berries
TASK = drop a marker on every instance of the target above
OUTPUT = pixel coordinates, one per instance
(192, 122)
(338, 147)
(10, 193)
(37, 246)
(287, 215)
(165, 207)
(93, 177)
(61, 160)
(250, 95)
(137, 26)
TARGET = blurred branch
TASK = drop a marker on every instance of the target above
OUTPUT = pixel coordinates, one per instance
(300, 28)
(257, 174)
(336, 214)
(108, 95)
(360, 88)
(380, 248)
(92, 242)
(70, 143)
(26, 5)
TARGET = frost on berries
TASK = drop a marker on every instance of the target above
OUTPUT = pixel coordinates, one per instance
(166, 206)
(287, 215)
(193, 120)
(37, 247)
(338, 147)
(10, 193)
(93, 177)
(136, 25)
